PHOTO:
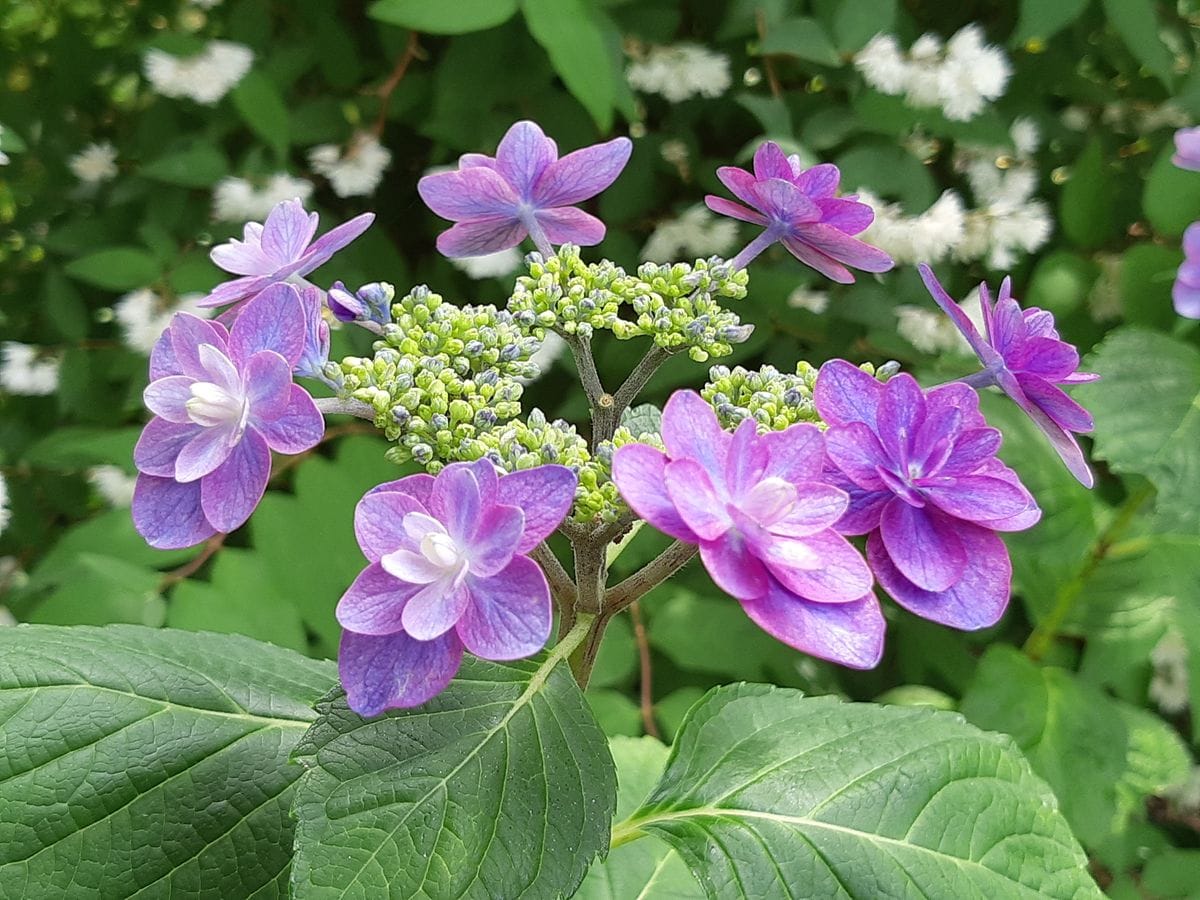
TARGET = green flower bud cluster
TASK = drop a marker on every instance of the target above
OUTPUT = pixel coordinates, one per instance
(442, 376)
(772, 398)
(677, 306)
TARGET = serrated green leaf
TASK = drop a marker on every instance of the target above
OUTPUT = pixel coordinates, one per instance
(645, 419)
(501, 786)
(766, 791)
(115, 268)
(443, 18)
(572, 34)
(1171, 199)
(1102, 757)
(260, 104)
(647, 868)
(1147, 412)
(147, 762)
(804, 38)
(1040, 20)
(1136, 21)
(201, 165)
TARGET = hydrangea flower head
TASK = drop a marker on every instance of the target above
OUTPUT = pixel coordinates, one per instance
(449, 570)
(763, 517)
(925, 484)
(1186, 291)
(223, 400)
(525, 190)
(279, 249)
(1187, 149)
(798, 207)
(1023, 355)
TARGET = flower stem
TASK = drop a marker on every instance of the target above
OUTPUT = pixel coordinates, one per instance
(649, 577)
(645, 672)
(1044, 634)
(335, 406)
(752, 249)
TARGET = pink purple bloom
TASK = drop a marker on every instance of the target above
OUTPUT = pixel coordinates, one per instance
(925, 485)
(763, 517)
(525, 190)
(279, 249)
(449, 570)
(1023, 355)
(798, 207)
(1187, 149)
(1186, 291)
(223, 400)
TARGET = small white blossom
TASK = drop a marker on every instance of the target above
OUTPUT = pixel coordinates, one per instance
(112, 484)
(143, 315)
(5, 512)
(489, 265)
(1026, 136)
(238, 200)
(545, 355)
(4, 160)
(205, 77)
(809, 299)
(23, 370)
(960, 76)
(357, 171)
(929, 237)
(95, 163)
(695, 233)
(680, 71)
(1007, 219)
(1169, 686)
(926, 330)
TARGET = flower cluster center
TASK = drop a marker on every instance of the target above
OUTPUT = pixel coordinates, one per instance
(211, 404)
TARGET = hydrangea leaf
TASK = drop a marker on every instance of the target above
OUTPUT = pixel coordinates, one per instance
(443, 18)
(1147, 411)
(1102, 757)
(1040, 21)
(148, 762)
(260, 104)
(199, 166)
(501, 786)
(572, 34)
(1137, 22)
(802, 37)
(115, 268)
(645, 868)
(767, 792)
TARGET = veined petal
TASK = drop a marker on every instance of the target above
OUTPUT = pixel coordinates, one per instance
(818, 507)
(815, 259)
(523, 155)
(435, 608)
(268, 384)
(188, 334)
(924, 545)
(374, 602)
(274, 320)
(901, 414)
(472, 193)
(850, 634)
(1055, 403)
(455, 501)
(850, 251)
(418, 487)
(168, 514)
(977, 600)
(734, 210)
(746, 460)
(509, 614)
(545, 495)
(381, 672)
(733, 568)
(970, 450)
(567, 225)
(639, 471)
(976, 498)
(231, 491)
(479, 236)
(409, 567)
(740, 183)
(331, 242)
(582, 174)
(823, 567)
(1061, 440)
(299, 427)
(795, 454)
(821, 182)
(168, 397)
(287, 231)
(691, 491)
(159, 446)
(690, 430)
(495, 539)
(208, 449)
(856, 450)
(771, 162)
(847, 216)
(782, 201)
(845, 393)
(379, 522)
(960, 319)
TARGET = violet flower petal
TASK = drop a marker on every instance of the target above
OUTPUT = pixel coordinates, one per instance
(298, 428)
(168, 514)
(544, 494)
(567, 225)
(690, 430)
(725, 207)
(850, 634)
(379, 522)
(582, 174)
(845, 393)
(268, 380)
(795, 454)
(435, 608)
(923, 544)
(480, 236)
(231, 491)
(523, 155)
(639, 472)
(159, 445)
(496, 540)
(691, 490)
(382, 672)
(733, 568)
(818, 507)
(332, 241)
(274, 320)
(374, 602)
(287, 231)
(509, 614)
(205, 452)
(473, 193)
(455, 502)
(976, 498)
(837, 575)
(167, 397)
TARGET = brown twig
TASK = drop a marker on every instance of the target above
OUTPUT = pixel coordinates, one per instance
(760, 23)
(645, 677)
(192, 566)
(411, 51)
(562, 588)
(651, 576)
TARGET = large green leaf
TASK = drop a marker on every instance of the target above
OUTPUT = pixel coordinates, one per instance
(1040, 20)
(198, 166)
(1086, 207)
(458, 17)
(1136, 21)
(148, 763)
(115, 268)
(260, 104)
(572, 34)
(768, 794)
(802, 37)
(501, 786)
(1102, 757)
(1147, 411)
(646, 868)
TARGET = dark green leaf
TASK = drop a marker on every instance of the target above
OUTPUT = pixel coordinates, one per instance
(1146, 276)
(1147, 411)
(802, 37)
(766, 791)
(572, 34)
(115, 268)
(501, 786)
(199, 166)
(259, 103)
(1086, 207)
(1040, 20)
(149, 763)
(101, 590)
(1136, 21)
(74, 448)
(443, 18)
(1171, 199)
(855, 22)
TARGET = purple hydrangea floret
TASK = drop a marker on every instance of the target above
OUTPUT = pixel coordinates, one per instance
(370, 303)
(315, 355)
(1023, 355)
(763, 517)
(798, 207)
(223, 400)
(449, 570)
(525, 190)
(1187, 149)
(279, 249)
(926, 486)
(1186, 291)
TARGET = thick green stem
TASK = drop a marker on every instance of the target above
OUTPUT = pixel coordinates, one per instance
(1044, 634)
